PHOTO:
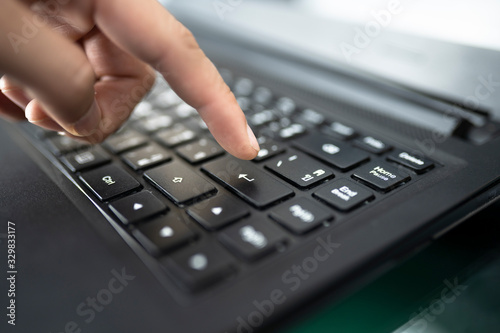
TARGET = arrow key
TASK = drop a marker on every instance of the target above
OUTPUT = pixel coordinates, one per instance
(137, 207)
(163, 234)
(179, 183)
(218, 212)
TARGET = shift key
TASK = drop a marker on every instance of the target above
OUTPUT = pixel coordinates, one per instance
(247, 181)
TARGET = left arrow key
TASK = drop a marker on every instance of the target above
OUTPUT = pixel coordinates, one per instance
(137, 207)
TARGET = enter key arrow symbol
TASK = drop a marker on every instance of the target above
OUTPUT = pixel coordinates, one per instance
(244, 176)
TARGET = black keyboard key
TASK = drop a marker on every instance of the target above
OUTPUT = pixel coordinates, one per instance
(154, 123)
(372, 145)
(271, 130)
(381, 176)
(301, 215)
(175, 136)
(218, 212)
(199, 266)
(183, 111)
(200, 151)
(299, 169)
(196, 124)
(268, 149)
(86, 159)
(61, 144)
(143, 109)
(179, 183)
(261, 118)
(311, 118)
(340, 131)
(42, 133)
(336, 153)
(243, 87)
(253, 238)
(166, 99)
(412, 161)
(126, 140)
(344, 194)
(292, 131)
(262, 96)
(137, 207)
(286, 106)
(109, 181)
(246, 180)
(163, 235)
(146, 157)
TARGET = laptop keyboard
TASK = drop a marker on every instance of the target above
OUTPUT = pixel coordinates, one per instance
(206, 216)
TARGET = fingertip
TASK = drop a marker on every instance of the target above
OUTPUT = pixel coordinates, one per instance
(246, 153)
(35, 114)
(88, 124)
(252, 139)
(247, 150)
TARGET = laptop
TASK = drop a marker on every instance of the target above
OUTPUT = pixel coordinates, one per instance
(159, 230)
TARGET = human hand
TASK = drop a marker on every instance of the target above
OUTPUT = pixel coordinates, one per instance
(75, 65)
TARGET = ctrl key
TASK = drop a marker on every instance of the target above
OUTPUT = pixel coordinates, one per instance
(200, 266)
(109, 181)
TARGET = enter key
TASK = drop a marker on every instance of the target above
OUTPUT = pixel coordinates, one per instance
(247, 181)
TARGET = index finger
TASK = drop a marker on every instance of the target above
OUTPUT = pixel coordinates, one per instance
(151, 33)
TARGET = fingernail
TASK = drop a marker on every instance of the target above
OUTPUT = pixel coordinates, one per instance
(89, 123)
(253, 139)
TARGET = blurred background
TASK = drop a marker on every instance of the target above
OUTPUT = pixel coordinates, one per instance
(463, 21)
(442, 48)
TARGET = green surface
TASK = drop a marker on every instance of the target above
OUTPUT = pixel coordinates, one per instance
(416, 297)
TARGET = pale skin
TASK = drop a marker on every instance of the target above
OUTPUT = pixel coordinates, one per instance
(79, 67)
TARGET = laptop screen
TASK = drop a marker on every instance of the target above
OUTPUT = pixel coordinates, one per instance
(446, 49)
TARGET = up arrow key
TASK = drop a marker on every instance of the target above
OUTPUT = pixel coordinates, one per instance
(244, 176)
(217, 210)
